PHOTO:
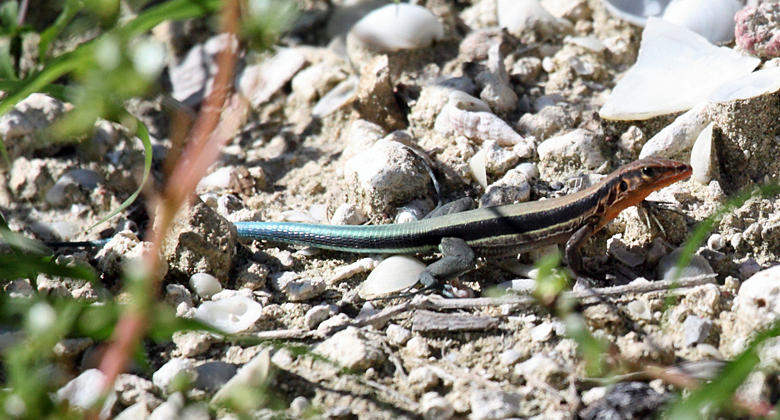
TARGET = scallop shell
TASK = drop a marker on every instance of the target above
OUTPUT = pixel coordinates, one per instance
(673, 72)
(398, 26)
(394, 274)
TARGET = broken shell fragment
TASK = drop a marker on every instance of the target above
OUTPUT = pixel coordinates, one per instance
(673, 72)
(468, 116)
(398, 26)
(702, 156)
(394, 274)
(678, 137)
(231, 315)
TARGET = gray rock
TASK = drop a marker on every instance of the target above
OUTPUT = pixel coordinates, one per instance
(168, 373)
(756, 306)
(386, 175)
(20, 128)
(73, 187)
(212, 375)
(191, 78)
(569, 153)
(492, 404)
(696, 330)
(513, 187)
(200, 241)
(626, 400)
(351, 349)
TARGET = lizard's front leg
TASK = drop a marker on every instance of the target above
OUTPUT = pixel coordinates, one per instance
(457, 258)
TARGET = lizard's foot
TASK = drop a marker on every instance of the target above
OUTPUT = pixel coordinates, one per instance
(458, 258)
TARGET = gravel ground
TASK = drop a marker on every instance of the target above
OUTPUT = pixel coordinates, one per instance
(328, 129)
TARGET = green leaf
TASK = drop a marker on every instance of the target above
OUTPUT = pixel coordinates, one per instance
(69, 10)
(18, 242)
(15, 266)
(142, 134)
(9, 15)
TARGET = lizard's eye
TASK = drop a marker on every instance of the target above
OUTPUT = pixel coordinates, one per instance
(648, 171)
(623, 186)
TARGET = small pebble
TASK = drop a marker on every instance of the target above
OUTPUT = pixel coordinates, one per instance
(397, 334)
(696, 330)
(418, 347)
(434, 407)
(167, 374)
(205, 285)
(510, 357)
(667, 266)
(716, 242)
(639, 310)
(317, 314)
(542, 332)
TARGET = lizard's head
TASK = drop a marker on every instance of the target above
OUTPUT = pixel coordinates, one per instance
(630, 184)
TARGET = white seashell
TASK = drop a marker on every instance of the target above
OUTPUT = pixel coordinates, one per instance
(701, 156)
(394, 274)
(674, 72)
(589, 42)
(477, 166)
(398, 26)
(459, 117)
(520, 15)
(712, 19)
(758, 83)
(231, 315)
(677, 137)
(258, 82)
(336, 97)
(636, 11)
(205, 285)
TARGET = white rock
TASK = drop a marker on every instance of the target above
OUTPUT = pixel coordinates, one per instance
(258, 82)
(702, 157)
(170, 409)
(317, 314)
(165, 376)
(84, 390)
(397, 334)
(360, 266)
(137, 411)
(757, 305)
(638, 309)
(231, 315)
(394, 274)
(521, 15)
(496, 89)
(542, 332)
(423, 378)
(398, 26)
(510, 357)
(191, 343)
(351, 349)
(678, 137)
(695, 330)
(435, 407)
(712, 19)
(673, 73)
(251, 376)
(589, 42)
(205, 285)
